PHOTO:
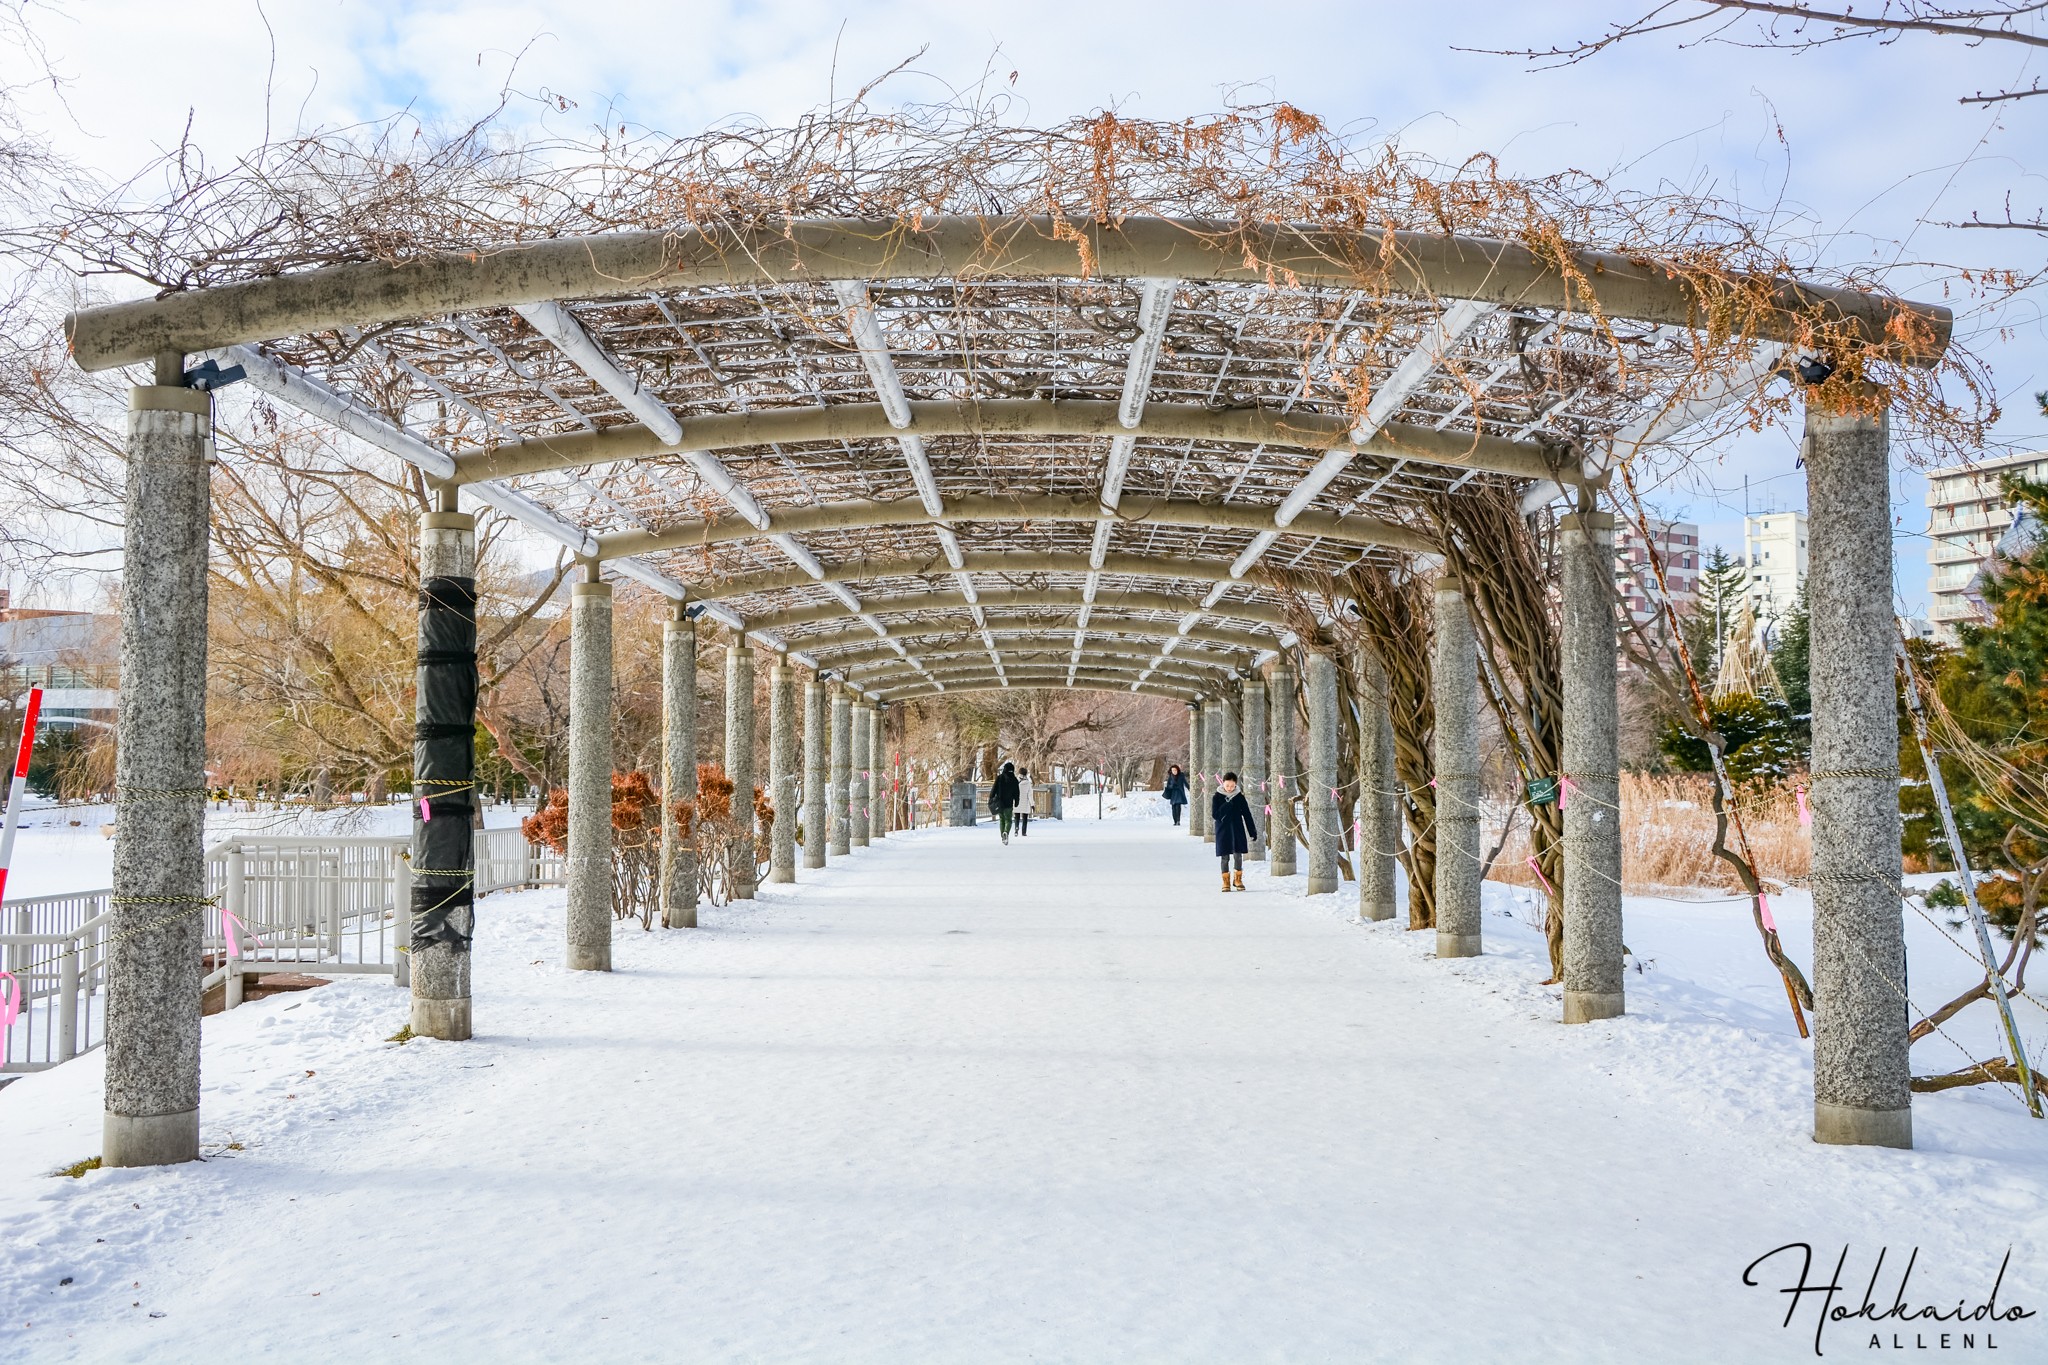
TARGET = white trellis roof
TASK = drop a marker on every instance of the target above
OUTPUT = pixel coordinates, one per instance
(965, 453)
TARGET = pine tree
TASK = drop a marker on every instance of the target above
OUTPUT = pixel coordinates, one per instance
(1789, 659)
(1995, 687)
(1760, 744)
(1722, 585)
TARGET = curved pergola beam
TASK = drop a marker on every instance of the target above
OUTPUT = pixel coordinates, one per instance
(1306, 431)
(1206, 681)
(988, 681)
(935, 565)
(1054, 647)
(1366, 532)
(1046, 677)
(373, 293)
(1048, 600)
(974, 686)
(819, 646)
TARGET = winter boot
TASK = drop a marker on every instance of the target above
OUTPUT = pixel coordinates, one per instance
(1226, 881)
(1237, 880)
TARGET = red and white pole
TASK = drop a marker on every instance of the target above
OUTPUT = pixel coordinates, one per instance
(17, 786)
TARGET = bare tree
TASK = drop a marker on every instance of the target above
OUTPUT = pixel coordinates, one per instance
(1033, 726)
(1798, 27)
(315, 576)
(1134, 731)
(2013, 26)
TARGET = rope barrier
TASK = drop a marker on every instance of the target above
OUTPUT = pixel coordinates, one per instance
(146, 795)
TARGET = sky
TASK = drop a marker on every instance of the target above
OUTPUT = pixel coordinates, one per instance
(1864, 145)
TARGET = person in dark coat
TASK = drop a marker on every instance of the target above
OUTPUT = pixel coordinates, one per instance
(1002, 799)
(1176, 790)
(1230, 815)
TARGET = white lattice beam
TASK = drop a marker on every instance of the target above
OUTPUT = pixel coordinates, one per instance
(1155, 307)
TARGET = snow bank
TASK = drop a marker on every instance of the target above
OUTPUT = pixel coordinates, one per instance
(1135, 805)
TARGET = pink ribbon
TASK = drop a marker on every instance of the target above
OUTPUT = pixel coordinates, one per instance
(1763, 910)
(1534, 867)
(1565, 787)
(1805, 814)
(1269, 810)
(231, 929)
(426, 810)
(1334, 795)
(10, 1001)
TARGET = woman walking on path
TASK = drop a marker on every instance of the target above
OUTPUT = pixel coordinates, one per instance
(1176, 790)
(1025, 795)
(1002, 799)
(1231, 817)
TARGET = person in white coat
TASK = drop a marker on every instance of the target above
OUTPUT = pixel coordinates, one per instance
(1023, 802)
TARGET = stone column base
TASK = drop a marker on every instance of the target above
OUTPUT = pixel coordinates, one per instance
(444, 1019)
(1838, 1124)
(590, 957)
(1372, 913)
(1583, 1007)
(1322, 886)
(676, 917)
(780, 875)
(1457, 945)
(154, 1140)
(813, 860)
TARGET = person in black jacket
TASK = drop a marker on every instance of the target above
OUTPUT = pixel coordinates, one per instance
(1230, 815)
(1002, 799)
(1176, 790)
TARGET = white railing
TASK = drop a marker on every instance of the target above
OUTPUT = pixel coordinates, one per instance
(329, 905)
(55, 948)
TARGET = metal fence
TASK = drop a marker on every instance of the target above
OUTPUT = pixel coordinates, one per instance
(329, 905)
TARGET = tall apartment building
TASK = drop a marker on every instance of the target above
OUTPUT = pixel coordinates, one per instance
(1967, 513)
(1678, 545)
(1774, 556)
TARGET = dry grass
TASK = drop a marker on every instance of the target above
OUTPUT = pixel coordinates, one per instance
(1667, 825)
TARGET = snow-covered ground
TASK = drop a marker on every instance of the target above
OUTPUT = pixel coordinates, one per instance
(1108, 805)
(1061, 1100)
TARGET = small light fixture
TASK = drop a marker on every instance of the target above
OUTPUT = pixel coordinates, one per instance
(1813, 370)
(209, 376)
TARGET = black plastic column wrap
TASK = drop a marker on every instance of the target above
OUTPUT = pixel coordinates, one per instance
(444, 767)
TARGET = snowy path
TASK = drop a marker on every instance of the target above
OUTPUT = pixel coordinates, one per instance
(956, 1102)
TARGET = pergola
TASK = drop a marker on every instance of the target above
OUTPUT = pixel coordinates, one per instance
(953, 454)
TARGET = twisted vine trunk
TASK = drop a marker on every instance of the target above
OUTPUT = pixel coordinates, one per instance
(1391, 616)
(1507, 567)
